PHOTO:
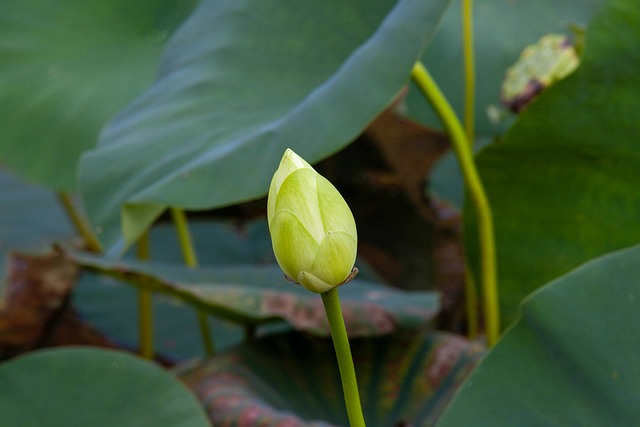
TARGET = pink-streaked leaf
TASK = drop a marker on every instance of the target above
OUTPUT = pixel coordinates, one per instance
(255, 295)
(292, 379)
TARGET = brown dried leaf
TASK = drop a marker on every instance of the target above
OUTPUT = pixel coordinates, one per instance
(34, 309)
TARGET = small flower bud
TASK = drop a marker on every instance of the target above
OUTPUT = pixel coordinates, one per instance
(312, 228)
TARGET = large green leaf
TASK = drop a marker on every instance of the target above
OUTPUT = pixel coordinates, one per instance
(238, 84)
(65, 68)
(570, 360)
(89, 387)
(563, 183)
(293, 379)
(503, 28)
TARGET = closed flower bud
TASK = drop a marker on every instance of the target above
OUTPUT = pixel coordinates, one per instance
(312, 228)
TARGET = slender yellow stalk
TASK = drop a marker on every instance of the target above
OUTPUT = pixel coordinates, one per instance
(469, 69)
(79, 223)
(186, 243)
(476, 191)
(145, 304)
(205, 333)
(191, 260)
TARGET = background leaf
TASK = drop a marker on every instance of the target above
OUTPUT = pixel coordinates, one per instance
(88, 387)
(65, 68)
(34, 306)
(254, 295)
(563, 182)
(402, 377)
(503, 28)
(111, 306)
(30, 219)
(238, 279)
(571, 359)
(238, 84)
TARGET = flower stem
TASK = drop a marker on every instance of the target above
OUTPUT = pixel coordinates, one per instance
(331, 302)
(145, 304)
(191, 260)
(469, 69)
(478, 196)
(79, 223)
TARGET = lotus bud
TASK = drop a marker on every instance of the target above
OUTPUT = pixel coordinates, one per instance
(312, 228)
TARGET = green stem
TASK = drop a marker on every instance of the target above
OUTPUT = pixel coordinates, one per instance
(186, 243)
(476, 191)
(145, 304)
(469, 69)
(79, 223)
(205, 333)
(190, 259)
(470, 302)
(331, 302)
(471, 292)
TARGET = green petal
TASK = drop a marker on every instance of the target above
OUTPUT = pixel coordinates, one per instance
(271, 201)
(336, 215)
(335, 258)
(298, 195)
(293, 246)
(312, 283)
(290, 163)
(291, 160)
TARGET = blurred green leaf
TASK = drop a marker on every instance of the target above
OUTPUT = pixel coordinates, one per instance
(503, 28)
(65, 68)
(563, 183)
(445, 180)
(253, 295)
(89, 387)
(30, 218)
(229, 252)
(571, 359)
(293, 378)
(238, 84)
(111, 306)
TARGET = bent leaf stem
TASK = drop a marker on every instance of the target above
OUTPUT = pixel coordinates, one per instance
(331, 302)
(79, 223)
(476, 191)
(191, 260)
(145, 296)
